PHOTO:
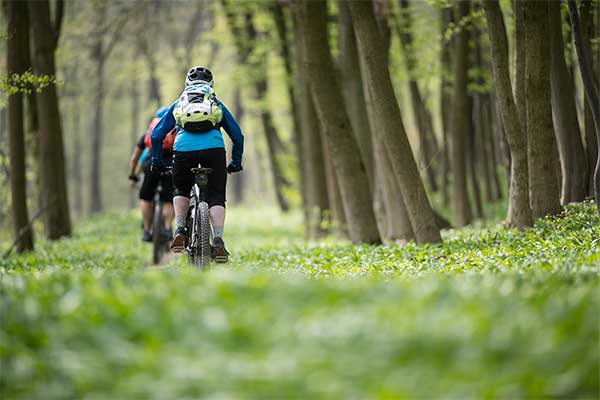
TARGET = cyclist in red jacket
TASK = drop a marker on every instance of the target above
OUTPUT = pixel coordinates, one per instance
(150, 181)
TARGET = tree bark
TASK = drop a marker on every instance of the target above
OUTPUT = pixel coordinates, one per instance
(520, 61)
(471, 152)
(591, 143)
(389, 122)
(544, 187)
(335, 125)
(313, 164)
(96, 142)
(237, 181)
(445, 102)
(135, 122)
(461, 209)
(428, 147)
(354, 95)
(568, 135)
(584, 56)
(519, 210)
(57, 221)
(16, 53)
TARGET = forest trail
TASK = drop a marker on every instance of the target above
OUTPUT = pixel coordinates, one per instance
(429, 320)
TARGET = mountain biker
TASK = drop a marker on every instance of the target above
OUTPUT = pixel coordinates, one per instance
(150, 181)
(199, 142)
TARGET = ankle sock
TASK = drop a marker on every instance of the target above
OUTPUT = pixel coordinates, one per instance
(180, 221)
(218, 231)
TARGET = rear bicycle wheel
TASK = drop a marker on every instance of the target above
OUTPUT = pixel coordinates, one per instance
(203, 248)
(158, 245)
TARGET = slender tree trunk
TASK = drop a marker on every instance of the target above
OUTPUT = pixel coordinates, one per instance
(17, 46)
(313, 161)
(77, 165)
(238, 180)
(445, 102)
(427, 141)
(520, 61)
(544, 187)
(461, 209)
(584, 55)
(389, 122)
(354, 95)
(568, 135)
(57, 220)
(483, 138)
(96, 142)
(335, 124)
(334, 196)
(272, 139)
(135, 122)
(472, 161)
(591, 143)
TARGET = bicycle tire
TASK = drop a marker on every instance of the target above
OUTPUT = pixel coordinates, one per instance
(203, 248)
(157, 237)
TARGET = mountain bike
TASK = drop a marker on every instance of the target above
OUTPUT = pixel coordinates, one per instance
(160, 236)
(198, 221)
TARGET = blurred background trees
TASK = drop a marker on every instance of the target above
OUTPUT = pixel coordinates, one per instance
(429, 112)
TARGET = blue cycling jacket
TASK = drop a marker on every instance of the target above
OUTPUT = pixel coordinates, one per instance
(188, 141)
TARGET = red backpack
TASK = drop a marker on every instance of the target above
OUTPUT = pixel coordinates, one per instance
(169, 139)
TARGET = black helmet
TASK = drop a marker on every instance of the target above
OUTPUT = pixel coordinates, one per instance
(198, 75)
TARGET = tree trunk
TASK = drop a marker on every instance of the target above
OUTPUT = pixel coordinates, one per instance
(389, 122)
(544, 187)
(591, 143)
(237, 180)
(520, 61)
(354, 95)
(312, 164)
(76, 165)
(461, 113)
(272, 139)
(335, 125)
(519, 210)
(135, 122)
(445, 102)
(427, 141)
(96, 142)
(57, 220)
(568, 135)
(584, 56)
(337, 215)
(17, 47)
(472, 160)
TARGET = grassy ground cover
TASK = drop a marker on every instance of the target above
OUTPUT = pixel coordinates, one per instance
(490, 313)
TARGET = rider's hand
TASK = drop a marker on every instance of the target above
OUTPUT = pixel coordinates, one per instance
(134, 178)
(158, 169)
(234, 167)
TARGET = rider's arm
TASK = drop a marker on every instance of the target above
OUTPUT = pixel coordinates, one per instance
(164, 126)
(137, 152)
(235, 133)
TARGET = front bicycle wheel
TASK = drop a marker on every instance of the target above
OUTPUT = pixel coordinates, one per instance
(158, 245)
(203, 248)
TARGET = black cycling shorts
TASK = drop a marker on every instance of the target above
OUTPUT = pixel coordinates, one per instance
(150, 183)
(184, 161)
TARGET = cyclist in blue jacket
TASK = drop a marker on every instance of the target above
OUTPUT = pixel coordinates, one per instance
(190, 149)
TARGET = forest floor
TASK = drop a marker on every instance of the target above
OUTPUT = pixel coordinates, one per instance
(490, 313)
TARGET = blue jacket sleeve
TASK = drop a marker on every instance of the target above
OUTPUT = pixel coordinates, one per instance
(235, 133)
(164, 126)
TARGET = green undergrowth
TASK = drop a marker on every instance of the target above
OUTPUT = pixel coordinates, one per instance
(491, 312)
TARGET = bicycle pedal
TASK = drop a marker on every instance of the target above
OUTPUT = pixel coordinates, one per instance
(221, 259)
